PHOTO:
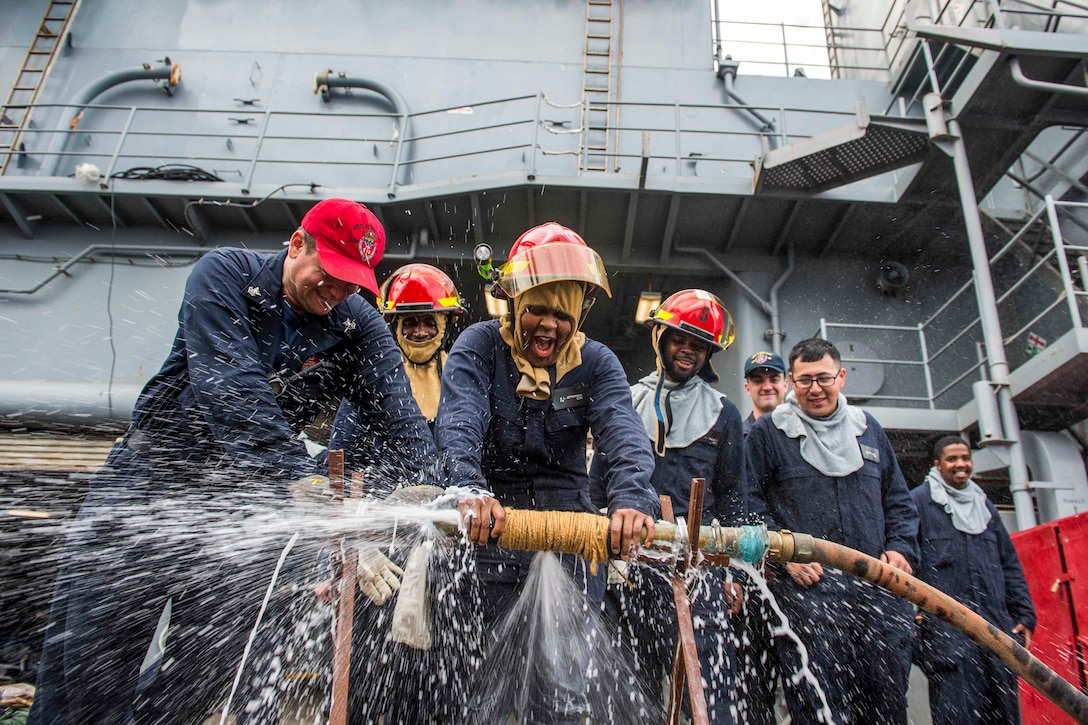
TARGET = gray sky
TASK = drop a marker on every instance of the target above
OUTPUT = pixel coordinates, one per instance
(752, 33)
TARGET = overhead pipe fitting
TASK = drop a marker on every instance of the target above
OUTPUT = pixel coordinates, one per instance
(1022, 79)
(168, 74)
(328, 79)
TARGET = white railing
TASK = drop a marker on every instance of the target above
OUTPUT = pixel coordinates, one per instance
(1040, 279)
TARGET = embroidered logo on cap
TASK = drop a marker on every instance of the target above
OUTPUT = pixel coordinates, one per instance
(368, 243)
(760, 357)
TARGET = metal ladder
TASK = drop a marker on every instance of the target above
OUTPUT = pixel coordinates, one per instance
(831, 37)
(15, 113)
(596, 86)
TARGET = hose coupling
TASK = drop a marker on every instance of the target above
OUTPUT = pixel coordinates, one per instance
(785, 546)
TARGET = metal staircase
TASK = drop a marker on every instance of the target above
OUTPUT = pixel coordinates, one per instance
(596, 86)
(16, 111)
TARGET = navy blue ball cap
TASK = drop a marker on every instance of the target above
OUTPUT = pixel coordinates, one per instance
(764, 359)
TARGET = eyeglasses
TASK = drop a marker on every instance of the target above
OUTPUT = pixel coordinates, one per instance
(824, 381)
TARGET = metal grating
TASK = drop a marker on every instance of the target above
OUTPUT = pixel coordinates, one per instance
(856, 154)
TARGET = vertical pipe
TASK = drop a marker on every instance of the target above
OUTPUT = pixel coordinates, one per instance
(257, 151)
(1018, 467)
(585, 136)
(105, 181)
(1082, 267)
(995, 10)
(991, 328)
(1063, 263)
(823, 328)
(935, 85)
(676, 120)
(533, 142)
(785, 48)
(391, 192)
(925, 366)
(777, 335)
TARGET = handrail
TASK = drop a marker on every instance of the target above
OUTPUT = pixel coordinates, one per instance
(1037, 309)
(259, 141)
(115, 249)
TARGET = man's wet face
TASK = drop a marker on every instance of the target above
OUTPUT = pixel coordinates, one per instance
(682, 355)
(307, 286)
(543, 332)
(419, 328)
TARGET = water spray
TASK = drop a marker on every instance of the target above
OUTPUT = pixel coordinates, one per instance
(586, 535)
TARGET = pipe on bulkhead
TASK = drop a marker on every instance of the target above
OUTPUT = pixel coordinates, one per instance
(1020, 78)
(777, 335)
(56, 402)
(167, 72)
(727, 71)
(327, 79)
(770, 308)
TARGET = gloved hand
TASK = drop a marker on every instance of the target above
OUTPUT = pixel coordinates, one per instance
(378, 576)
(617, 572)
(311, 489)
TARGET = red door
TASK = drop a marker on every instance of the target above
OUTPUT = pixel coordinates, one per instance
(1055, 560)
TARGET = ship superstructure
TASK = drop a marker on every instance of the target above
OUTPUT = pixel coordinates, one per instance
(136, 136)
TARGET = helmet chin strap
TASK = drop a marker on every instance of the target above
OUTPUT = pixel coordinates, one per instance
(588, 300)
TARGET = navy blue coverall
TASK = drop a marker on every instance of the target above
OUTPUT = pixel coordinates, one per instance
(857, 635)
(213, 432)
(531, 455)
(647, 611)
(756, 665)
(968, 684)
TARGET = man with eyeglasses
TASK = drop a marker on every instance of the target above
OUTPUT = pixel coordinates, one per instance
(821, 466)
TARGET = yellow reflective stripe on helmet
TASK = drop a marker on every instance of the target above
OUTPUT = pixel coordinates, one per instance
(664, 315)
(516, 265)
(448, 302)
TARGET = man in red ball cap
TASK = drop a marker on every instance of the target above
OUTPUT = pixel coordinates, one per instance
(265, 344)
(348, 240)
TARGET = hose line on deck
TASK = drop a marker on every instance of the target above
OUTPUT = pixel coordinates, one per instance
(586, 535)
(807, 549)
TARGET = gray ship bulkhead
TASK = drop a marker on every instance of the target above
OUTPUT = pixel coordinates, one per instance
(468, 122)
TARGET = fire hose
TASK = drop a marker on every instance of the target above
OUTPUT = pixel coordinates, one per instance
(586, 535)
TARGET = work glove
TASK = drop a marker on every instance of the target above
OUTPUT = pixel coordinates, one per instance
(412, 615)
(378, 576)
(311, 489)
(617, 572)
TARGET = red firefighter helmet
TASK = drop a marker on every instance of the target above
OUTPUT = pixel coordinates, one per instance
(418, 289)
(699, 313)
(550, 253)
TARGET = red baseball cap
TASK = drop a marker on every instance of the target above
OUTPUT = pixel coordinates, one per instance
(350, 240)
